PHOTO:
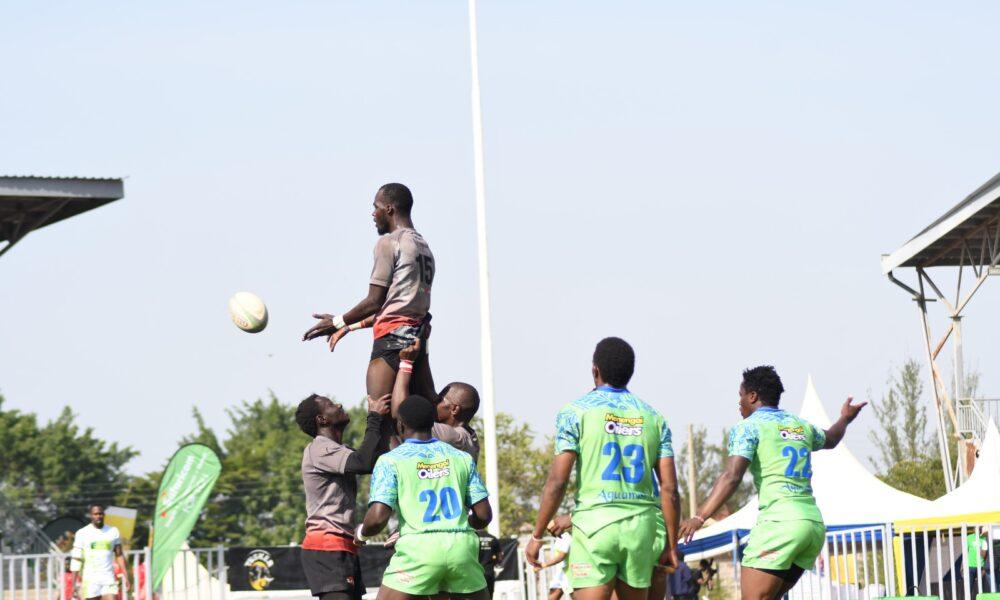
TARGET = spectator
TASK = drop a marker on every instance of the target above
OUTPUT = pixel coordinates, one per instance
(558, 582)
(706, 574)
(490, 555)
(682, 583)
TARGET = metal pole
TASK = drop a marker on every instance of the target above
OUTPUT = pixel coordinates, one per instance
(942, 441)
(959, 367)
(692, 497)
(485, 329)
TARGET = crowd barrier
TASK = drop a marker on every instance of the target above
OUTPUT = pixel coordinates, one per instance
(948, 561)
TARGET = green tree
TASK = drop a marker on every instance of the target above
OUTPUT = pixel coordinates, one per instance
(258, 498)
(709, 460)
(907, 456)
(522, 466)
(57, 468)
(902, 418)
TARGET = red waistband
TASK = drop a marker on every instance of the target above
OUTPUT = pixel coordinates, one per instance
(386, 325)
(329, 541)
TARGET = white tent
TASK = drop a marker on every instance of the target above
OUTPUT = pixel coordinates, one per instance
(846, 491)
(981, 492)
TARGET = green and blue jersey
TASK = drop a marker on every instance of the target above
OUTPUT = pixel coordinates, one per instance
(429, 484)
(618, 440)
(779, 446)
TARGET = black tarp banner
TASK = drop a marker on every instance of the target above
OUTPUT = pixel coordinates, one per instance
(260, 568)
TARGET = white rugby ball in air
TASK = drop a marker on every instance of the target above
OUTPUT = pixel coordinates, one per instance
(248, 312)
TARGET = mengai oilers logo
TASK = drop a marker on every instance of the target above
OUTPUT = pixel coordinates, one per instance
(258, 564)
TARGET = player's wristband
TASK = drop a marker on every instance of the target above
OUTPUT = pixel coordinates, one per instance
(406, 366)
(354, 326)
(536, 539)
(359, 535)
(700, 518)
(338, 321)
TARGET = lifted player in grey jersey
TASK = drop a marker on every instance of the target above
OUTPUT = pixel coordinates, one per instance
(399, 296)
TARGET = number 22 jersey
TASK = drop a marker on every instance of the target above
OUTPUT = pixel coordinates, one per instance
(779, 446)
(618, 440)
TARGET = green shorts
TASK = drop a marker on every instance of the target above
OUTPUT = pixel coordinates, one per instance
(428, 563)
(778, 545)
(626, 549)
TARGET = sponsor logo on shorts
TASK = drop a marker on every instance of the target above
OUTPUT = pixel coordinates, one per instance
(622, 425)
(434, 470)
(404, 576)
(258, 564)
(580, 569)
(793, 434)
(768, 555)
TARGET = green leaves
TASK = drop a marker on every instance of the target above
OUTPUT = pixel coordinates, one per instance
(57, 468)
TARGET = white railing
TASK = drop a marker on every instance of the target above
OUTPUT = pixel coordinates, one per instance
(975, 413)
(855, 564)
(943, 561)
(195, 574)
(32, 576)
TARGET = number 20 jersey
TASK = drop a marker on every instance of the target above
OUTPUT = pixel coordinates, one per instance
(618, 440)
(779, 446)
(429, 484)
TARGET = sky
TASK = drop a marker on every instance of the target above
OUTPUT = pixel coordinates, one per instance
(713, 182)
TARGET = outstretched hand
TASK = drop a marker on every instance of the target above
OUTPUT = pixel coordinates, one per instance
(849, 411)
(335, 337)
(324, 327)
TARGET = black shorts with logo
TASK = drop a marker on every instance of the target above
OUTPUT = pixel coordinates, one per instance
(388, 346)
(333, 571)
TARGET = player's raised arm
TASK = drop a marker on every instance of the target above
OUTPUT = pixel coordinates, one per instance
(848, 412)
(329, 324)
(401, 387)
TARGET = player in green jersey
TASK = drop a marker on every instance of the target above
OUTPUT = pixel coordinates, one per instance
(620, 448)
(777, 447)
(432, 487)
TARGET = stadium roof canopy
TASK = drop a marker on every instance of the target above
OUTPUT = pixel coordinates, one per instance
(960, 237)
(28, 203)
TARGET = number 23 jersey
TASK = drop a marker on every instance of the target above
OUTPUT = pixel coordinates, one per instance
(429, 484)
(618, 440)
(779, 446)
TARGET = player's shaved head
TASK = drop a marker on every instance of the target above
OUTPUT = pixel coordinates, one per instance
(417, 414)
(398, 196)
(615, 361)
(464, 396)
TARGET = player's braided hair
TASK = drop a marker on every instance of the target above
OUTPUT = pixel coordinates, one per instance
(615, 359)
(765, 381)
(306, 413)
(399, 196)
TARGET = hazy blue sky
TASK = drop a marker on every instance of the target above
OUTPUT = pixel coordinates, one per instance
(713, 182)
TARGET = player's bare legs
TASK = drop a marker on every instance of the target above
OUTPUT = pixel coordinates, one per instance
(380, 378)
(599, 592)
(482, 594)
(758, 585)
(658, 585)
(387, 593)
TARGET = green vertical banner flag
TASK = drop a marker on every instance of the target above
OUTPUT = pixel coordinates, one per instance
(184, 489)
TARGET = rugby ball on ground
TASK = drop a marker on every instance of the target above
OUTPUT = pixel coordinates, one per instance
(248, 312)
